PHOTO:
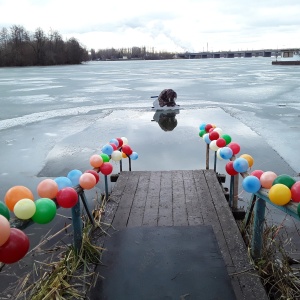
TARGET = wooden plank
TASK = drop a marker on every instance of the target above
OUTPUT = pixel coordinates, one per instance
(191, 198)
(179, 205)
(139, 201)
(165, 209)
(152, 202)
(250, 284)
(125, 203)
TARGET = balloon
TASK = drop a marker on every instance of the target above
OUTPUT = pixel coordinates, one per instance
(105, 158)
(96, 161)
(211, 129)
(251, 184)
(221, 142)
(257, 173)
(114, 146)
(134, 156)
(4, 210)
(47, 188)
(127, 150)
(207, 127)
(4, 229)
(267, 178)
(97, 177)
(114, 141)
(124, 155)
(295, 190)
(16, 193)
(24, 209)
(213, 135)
(213, 146)
(15, 248)
(45, 211)
(241, 165)
(280, 194)
(87, 181)
(219, 154)
(218, 130)
(107, 149)
(67, 197)
(63, 182)
(74, 176)
(106, 168)
(202, 132)
(125, 141)
(202, 126)
(227, 138)
(116, 155)
(284, 179)
(229, 169)
(206, 138)
(249, 159)
(226, 153)
(120, 142)
(235, 147)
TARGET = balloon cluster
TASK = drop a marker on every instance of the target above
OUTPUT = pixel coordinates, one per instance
(115, 150)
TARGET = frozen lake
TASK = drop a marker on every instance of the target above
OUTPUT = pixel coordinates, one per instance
(52, 119)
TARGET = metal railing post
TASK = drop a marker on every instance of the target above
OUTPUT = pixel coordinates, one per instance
(77, 226)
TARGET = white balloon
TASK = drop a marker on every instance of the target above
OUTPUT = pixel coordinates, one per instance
(219, 130)
(213, 146)
(116, 155)
(125, 141)
(218, 153)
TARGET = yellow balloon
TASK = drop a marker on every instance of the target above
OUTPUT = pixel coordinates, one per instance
(249, 158)
(280, 194)
(24, 209)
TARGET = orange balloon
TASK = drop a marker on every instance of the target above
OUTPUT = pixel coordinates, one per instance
(47, 188)
(96, 161)
(267, 178)
(16, 193)
(124, 155)
(87, 181)
(249, 158)
(4, 229)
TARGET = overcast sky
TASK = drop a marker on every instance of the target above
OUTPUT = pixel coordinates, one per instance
(186, 25)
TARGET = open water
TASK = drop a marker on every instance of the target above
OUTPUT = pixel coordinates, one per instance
(52, 119)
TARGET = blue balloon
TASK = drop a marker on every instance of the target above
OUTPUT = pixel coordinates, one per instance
(251, 184)
(114, 141)
(202, 126)
(74, 176)
(63, 182)
(134, 156)
(206, 138)
(107, 149)
(241, 165)
(226, 153)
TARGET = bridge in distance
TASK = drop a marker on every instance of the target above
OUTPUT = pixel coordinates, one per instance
(230, 54)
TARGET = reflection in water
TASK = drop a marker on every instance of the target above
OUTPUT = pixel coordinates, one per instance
(166, 119)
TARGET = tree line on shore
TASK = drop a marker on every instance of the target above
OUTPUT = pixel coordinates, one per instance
(18, 47)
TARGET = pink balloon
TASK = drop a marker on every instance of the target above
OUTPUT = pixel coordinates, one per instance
(47, 188)
(96, 161)
(4, 229)
(267, 178)
(87, 180)
(257, 173)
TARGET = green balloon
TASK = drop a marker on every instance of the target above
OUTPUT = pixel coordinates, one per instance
(284, 179)
(45, 211)
(227, 138)
(4, 211)
(202, 132)
(105, 157)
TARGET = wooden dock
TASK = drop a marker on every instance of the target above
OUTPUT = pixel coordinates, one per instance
(185, 198)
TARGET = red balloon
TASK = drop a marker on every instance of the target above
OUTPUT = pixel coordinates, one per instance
(295, 190)
(257, 173)
(210, 130)
(114, 146)
(15, 248)
(221, 142)
(229, 169)
(207, 127)
(235, 147)
(120, 142)
(127, 150)
(95, 174)
(106, 168)
(67, 197)
(213, 135)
